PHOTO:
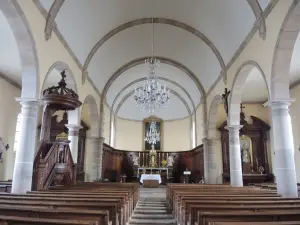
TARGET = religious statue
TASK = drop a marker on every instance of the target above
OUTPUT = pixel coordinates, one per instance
(245, 149)
(170, 161)
(152, 154)
(136, 160)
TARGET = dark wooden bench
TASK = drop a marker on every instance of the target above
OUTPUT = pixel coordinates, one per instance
(265, 216)
(17, 220)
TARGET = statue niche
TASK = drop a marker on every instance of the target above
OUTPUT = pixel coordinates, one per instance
(254, 153)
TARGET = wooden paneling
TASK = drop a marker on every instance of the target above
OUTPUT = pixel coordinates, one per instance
(116, 163)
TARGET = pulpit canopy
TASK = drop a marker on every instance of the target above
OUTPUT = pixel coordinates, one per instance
(60, 97)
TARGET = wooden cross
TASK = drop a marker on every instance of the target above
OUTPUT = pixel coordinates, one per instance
(242, 107)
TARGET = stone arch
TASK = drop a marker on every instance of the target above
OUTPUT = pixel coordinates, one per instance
(170, 22)
(74, 115)
(128, 95)
(212, 116)
(93, 113)
(286, 40)
(237, 90)
(26, 45)
(60, 66)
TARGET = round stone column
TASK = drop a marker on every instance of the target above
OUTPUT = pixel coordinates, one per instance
(211, 159)
(236, 175)
(283, 148)
(73, 138)
(205, 159)
(101, 155)
(22, 176)
(94, 159)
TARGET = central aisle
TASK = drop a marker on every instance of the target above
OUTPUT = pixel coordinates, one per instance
(152, 208)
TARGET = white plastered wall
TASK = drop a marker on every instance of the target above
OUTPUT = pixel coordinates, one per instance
(176, 135)
(295, 112)
(8, 119)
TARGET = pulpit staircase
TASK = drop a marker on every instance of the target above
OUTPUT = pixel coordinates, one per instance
(53, 166)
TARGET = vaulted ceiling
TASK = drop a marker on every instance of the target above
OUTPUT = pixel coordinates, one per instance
(195, 40)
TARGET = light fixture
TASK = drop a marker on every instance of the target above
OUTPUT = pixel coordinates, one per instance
(152, 135)
(152, 95)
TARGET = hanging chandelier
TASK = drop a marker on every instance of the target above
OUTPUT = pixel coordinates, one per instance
(152, 95)
(152, 135)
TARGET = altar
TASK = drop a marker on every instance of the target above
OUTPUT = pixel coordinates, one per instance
(150, 180)
(156, 177)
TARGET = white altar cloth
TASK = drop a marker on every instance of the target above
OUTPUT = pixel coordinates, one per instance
(150, 177)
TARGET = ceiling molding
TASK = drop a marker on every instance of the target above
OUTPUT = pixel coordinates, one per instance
(258, 12)
(128, 95)
(50, 21)
(139, 61)
(59, 35)
(10, 81)
(159, 78)
(243, 45)
(166, 21)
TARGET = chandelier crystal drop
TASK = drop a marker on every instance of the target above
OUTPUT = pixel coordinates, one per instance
(152, 135)
(152, 95)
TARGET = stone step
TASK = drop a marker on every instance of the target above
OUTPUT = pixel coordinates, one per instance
(151, 216)
(151, 207)
(151, 221)
(161, 211)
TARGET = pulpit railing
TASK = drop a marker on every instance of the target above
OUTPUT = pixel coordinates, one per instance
(56, 167)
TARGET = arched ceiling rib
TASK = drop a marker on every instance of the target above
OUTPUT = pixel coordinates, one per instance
(258, 12)
(50, 21)
(155, 20)
(163, 60)
(199, 34)
(159, 78)
(163, 114)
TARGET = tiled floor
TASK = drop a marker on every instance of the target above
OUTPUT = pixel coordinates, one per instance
(152, 208)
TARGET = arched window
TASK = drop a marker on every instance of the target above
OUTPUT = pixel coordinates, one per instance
(17, 134)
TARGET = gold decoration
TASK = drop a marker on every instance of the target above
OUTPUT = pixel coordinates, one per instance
(164, 163)
(62, 136)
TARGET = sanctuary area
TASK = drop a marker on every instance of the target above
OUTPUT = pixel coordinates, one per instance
(150, 112)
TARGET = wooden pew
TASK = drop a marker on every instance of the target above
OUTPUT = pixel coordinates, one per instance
(100, 217)
(17, 220)
(264, 216)
(193, 203)
(257, 223)
(117, 201)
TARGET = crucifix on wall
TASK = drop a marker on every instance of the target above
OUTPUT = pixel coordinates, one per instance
(225, 100)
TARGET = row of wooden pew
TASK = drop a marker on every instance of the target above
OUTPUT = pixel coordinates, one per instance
(220, 204)
(5, 186)
(87, 203)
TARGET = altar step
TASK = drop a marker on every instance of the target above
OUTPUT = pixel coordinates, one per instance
(152, 209)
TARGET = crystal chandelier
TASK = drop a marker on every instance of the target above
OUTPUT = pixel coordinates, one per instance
(152, 135)
(152, 95)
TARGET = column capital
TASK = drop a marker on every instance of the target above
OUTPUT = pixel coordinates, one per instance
(29, 101)
(233, 127)
(73, 127)
(275, 104)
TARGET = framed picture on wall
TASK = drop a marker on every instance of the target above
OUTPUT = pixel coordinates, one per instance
(159, 127)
